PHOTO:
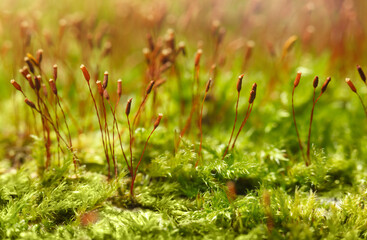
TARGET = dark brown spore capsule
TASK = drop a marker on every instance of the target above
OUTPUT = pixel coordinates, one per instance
(55, 72)
(208, 84)
(30, 103)
(326, 83)
(53, 86)
(239, 83)
(99, 87)
(105, 80)
(150, 87)
(39, 56)
(351, 85)
(16, 85)
(252, 96)
(361, 73)
(24, 73)
(298, 78)
(25, 70)
(158, 120)
(37, 82)
(85, 73)
(119, 87)
(315, 82)
(106, 95)
(30, 81)
(253, 93)
(29, 64)
(254, 87)
(128, 106)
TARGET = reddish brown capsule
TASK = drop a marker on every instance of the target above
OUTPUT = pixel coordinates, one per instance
(16, 85)
(326, 83)
(239, 83)
(315, 82)
(150, 87)
(105, 80)
(99, 87)
(53, 86)
(55, 72)
(158, 120)
(29, 63)
(252, 96)
(30, 103)
(208, 84)
(351, 85)
(254, 87)
(361, 73)
(30, 81)
(25, 70)
(37, 82)
(197, 57)
(298, 78)
(128, 106)
(85, 73)
(24, 73)
(106, 95)
(253, 93)
(39, 56)
(119, 87)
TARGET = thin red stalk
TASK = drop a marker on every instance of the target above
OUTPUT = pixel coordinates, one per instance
(70, 115)
(309, 129)
(100, 128)
(364, 107)
(58, 139)
(139, 109)
(54, 127)
(114, 122)
(200, 128)
(67, 127)
(193, 104)
(248, 112)
(295, 124)
(187, 124)
(197, 100)
(118, 133)
(137, 166)
(43, 130)
(107, 136)
(130, 143)
(234, 126)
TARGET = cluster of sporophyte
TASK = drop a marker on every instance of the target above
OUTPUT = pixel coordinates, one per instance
(354, 89)
(47, 105)
(314, 101)
(108, 144)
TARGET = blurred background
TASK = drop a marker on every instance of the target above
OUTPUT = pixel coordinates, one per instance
(269, 41)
